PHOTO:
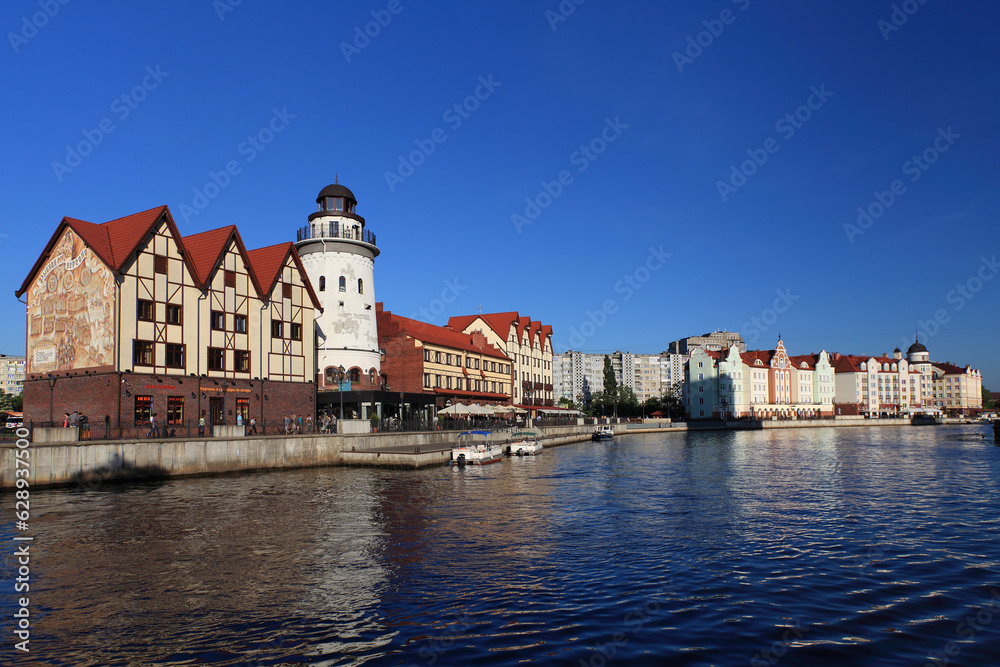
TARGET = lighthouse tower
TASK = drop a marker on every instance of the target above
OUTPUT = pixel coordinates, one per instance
(339, 254)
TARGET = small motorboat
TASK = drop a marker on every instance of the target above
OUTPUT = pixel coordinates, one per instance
(476, 448)
(524, 443)
(604, 432)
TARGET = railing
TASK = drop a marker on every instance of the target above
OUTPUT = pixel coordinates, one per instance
(184, 429)
(334, 230)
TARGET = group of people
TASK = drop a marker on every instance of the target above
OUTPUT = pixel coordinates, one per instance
(76, 419)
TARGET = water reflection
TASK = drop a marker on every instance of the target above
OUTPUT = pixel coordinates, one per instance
(685, 548)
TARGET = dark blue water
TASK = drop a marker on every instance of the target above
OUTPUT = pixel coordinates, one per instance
(873, 546)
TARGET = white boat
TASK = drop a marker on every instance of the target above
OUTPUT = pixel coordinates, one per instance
(604, 432)
(476, 448)
(524, 443)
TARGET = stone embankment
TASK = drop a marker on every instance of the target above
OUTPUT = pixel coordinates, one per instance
(57, 459)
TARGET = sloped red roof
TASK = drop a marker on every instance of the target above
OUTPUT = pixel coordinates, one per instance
(949, 369)
(499, 322)
(267, 263)
(809, 359)
(750, 357)
(113, 241)
(205, 249)
(435, 335)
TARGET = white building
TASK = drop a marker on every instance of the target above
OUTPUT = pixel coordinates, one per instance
(11, 374)
(339, 254)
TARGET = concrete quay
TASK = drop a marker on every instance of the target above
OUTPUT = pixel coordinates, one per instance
(56, 459)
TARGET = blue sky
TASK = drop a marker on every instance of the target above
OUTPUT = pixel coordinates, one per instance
(621, 122)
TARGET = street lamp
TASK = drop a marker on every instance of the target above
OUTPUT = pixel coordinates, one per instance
(52, 386)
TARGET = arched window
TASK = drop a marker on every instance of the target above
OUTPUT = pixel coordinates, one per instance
(322, 283)
(343, 284)
(361, 286)
(355, 375)
(371, 377)
(329, 375)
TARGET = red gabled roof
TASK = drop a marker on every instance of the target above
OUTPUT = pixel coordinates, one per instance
(429, 333)
(949, 369)
(499, 322)
(809, 359)
(113, 242)
(267, 263)
(205, 249)
(750, 357)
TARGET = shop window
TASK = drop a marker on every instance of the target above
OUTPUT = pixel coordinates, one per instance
(142, 410)
(175, 409)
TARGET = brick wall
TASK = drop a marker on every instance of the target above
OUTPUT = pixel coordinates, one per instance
(97, 395)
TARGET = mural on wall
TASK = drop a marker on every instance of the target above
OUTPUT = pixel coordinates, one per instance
(71, 315)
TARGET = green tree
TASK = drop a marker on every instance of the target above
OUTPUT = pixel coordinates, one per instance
(988, 402)
(628, 404)
(17, 402)
(610, 383)
(672, 401)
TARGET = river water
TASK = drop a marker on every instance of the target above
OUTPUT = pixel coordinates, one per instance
(874, 546)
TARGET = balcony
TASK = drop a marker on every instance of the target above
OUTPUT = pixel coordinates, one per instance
(334, 230)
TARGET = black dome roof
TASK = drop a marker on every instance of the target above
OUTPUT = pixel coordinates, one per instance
(916, 347)
(336, 190)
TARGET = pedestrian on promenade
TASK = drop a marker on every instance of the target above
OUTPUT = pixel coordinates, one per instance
(239, 419)
(309, 424)
(201, 427)
(287, 424)
(153, 431)
(333, 423)
(65, 420)
(253, 425)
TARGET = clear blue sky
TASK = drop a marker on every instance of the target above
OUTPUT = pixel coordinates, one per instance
(672, 126)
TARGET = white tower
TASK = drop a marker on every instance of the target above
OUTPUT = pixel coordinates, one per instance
(339, 254)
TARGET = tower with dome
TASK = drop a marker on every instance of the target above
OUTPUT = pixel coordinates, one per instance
(338, 252)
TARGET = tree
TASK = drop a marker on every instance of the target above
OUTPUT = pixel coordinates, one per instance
(627, 402)
(17, 403)
(988, 402)
(672, 401)
(610, 383)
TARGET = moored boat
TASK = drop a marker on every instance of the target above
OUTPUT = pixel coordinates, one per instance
(524, 443)
(476, 448)
(604, 432)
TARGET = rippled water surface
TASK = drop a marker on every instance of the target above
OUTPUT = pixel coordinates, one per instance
(875, 546)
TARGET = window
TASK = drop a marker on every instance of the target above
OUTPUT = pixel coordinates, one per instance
(468, 362)
(230, 279)
(277, 329)
(437, 357)
(174, 312)
(143, 409)
(175, 409)
(218, 320)
(361, 286)
(447, 382)
(437, 381)
(142, 353)
(286, 290)
(478, 385)
(427, 355)
(144, 311)
(427, 379)
(160, 264)
(322, 283)
(175, 355)
(241, 361)
(355, 374)
(216, 359)
(343, 284)
(243, 409)
(448, 359)
(240, 323)
(296, 331)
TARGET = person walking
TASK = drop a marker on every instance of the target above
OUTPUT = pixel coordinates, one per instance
(201, 427)
(287, 424)
(309, 424)
(253, 425)
(153, 431)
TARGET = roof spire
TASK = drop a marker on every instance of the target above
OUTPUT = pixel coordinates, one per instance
(336, 178)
